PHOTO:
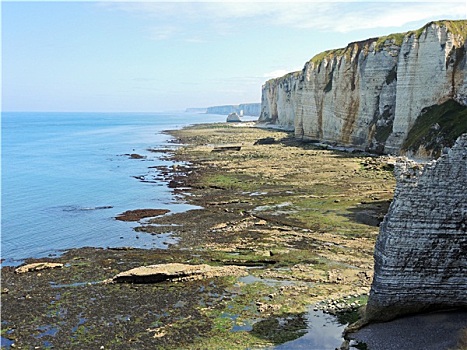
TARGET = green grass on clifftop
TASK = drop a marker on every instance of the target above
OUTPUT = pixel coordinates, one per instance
(456, 27)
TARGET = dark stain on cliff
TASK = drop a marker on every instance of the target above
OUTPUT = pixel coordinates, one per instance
(354, 104)
(457, 59)
(273, 110)
(385, 129)
(350, 119)
(392, 75)
(328, 86)
(354, 66)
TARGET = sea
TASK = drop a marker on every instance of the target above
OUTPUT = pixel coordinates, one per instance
(65, 176)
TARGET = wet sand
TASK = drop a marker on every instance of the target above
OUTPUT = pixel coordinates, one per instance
(433, 331)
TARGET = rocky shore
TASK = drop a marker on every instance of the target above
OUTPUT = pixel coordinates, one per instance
(299, 220)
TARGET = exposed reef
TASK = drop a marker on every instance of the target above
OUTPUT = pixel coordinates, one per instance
(138, 214)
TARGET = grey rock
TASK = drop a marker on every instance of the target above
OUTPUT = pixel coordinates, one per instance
(420, 252)
(233, 117)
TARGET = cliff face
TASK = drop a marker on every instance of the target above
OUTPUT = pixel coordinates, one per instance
(420, 253)
(371, 93)
(252, 109)
(227, 109)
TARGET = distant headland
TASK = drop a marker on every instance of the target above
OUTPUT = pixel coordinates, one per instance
(251, 109)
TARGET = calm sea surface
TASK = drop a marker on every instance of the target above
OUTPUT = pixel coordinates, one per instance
(59, 168)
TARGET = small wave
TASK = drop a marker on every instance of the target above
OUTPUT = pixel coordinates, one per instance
(98, 208)
(76, 208)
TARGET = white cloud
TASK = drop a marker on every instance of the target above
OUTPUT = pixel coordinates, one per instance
(202, 22)
(342, 16)
(162, 33)
(348, 18)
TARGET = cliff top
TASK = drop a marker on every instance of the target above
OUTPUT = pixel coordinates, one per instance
(457, 27)
(286, 76)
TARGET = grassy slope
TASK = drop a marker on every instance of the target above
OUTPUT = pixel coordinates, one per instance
(438, 127)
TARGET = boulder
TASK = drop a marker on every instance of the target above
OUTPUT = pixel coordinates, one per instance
(233, 118)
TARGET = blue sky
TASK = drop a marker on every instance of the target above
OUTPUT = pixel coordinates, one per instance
(148, 56)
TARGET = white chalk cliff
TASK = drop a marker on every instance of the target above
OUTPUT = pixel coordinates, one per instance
(420, 253)
(251, 109)
(371, 94)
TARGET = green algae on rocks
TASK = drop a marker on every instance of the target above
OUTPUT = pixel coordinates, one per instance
(301, 220)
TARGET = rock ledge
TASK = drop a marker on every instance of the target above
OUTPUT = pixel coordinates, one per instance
(176, 272)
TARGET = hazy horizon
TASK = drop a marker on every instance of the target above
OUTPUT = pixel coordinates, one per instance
(151, 56)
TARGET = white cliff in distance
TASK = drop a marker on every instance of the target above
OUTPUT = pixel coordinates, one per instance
(251, 109)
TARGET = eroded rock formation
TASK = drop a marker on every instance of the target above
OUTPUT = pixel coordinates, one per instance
(420, 253)
(371, 93)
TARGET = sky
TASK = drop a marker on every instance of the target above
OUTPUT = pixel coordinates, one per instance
(152, 56)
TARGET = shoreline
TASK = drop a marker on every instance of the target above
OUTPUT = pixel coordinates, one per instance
(52, 216)
(264, 206)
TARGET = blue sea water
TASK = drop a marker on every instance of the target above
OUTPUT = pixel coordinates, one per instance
(59, 168)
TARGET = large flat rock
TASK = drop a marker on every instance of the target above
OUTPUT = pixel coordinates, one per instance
(176, 272)
(38, 267)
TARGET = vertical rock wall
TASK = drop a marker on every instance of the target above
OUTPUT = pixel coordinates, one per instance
(370, 94)
(421, 250)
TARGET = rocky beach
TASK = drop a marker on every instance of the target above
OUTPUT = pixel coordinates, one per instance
(282, 226)
(298, 220)
(311, 196)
